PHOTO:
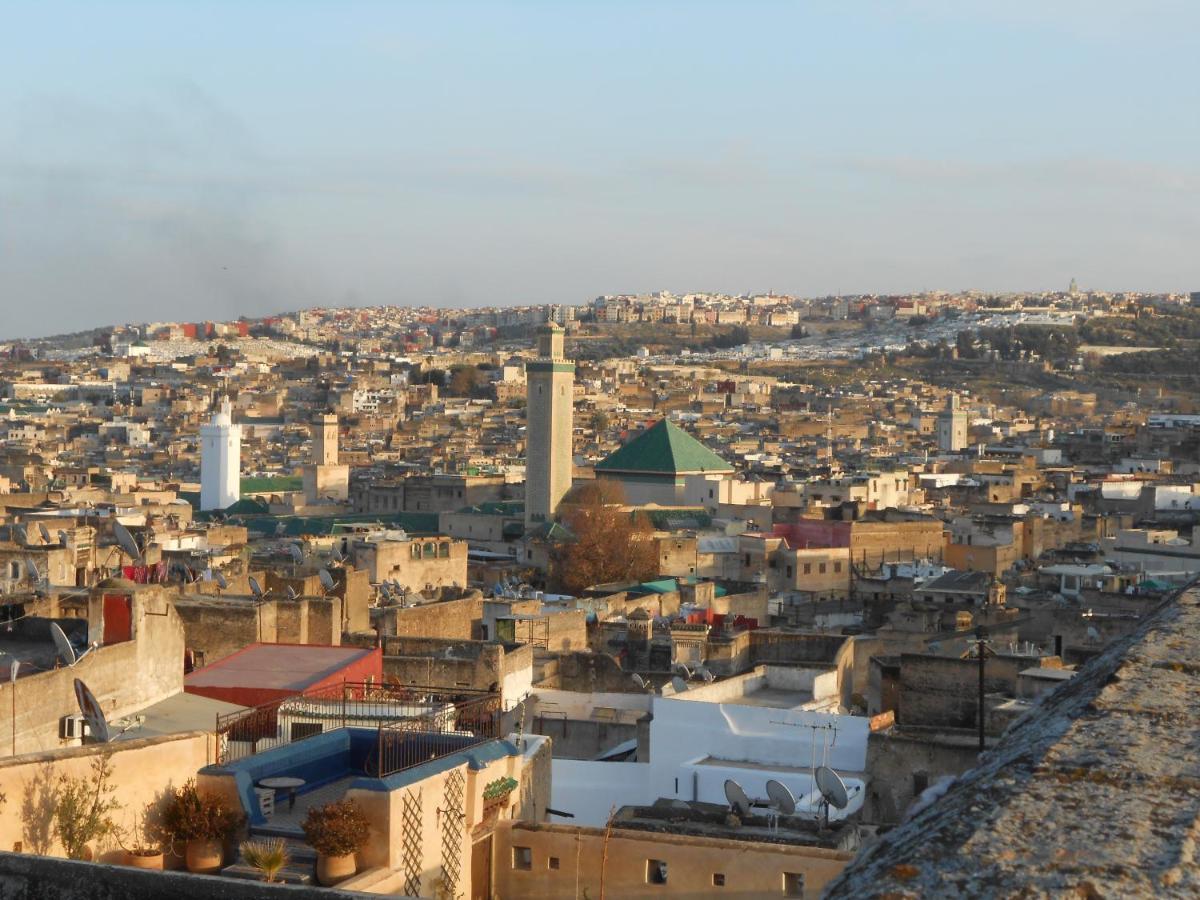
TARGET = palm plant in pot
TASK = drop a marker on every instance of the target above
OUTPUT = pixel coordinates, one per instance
(203, 821)
(337, 831)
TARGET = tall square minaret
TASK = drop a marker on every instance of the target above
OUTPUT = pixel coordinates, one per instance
(550, 386)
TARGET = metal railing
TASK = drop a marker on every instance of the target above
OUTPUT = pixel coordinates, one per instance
(392, 710)
(408, 742)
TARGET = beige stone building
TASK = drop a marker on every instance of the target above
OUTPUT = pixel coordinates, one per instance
(549, 410)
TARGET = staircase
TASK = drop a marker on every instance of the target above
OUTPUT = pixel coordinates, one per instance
(302, 859)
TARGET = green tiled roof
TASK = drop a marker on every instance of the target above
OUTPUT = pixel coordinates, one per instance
(276, 484)
(663, 449)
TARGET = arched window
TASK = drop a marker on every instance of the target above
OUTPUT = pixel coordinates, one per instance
(430, 550)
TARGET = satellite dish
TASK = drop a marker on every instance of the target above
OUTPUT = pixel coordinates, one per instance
(125, 539)
(336, 554)
(14, 669)
(297, 554)
(92, 713)
(45, 532)
(255, 588)
(737, 798)
(327, 581)
(291, 592)
(65, 651)
(679, 684)
(31, 570)
(221, 581)
(639, 681)
(781, 798)
(832, 788)
(63, 538)
(708, 676)
(683, 670)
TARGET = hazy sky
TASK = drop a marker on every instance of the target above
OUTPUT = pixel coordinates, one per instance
(188, 160)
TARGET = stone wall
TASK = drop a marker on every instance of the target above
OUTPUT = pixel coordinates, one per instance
(450, 619)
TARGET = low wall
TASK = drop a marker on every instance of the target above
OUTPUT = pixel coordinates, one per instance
(48, 878)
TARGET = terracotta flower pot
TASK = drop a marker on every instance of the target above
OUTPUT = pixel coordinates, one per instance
(204, 856)
(144, 860)
(332, 869)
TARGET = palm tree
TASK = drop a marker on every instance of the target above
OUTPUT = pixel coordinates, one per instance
(269, 856)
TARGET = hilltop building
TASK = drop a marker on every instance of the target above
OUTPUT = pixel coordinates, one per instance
(550, 392)
(220, 460)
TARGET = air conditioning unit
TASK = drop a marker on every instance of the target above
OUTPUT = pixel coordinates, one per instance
(72, 728)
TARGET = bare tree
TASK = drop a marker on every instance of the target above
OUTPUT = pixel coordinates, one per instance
(606, 542)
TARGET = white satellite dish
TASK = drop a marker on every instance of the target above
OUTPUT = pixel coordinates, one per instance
(221, 582)
(297, 554)
(639, 681)
(65, 651)
(327, 581)
(782, 799)
(255, 588)
(679, 684)
(92, 713)
(13, 669)
(832, 788)
(737, 798)
(682, 670)
(291, 592)
(125, 539)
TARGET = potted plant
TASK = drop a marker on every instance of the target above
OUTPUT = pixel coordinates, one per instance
(496, 794)
(269, 856)
(82, 810)
(203, 821)
(144, 849)
(337, 831)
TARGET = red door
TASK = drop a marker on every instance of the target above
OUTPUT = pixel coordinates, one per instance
(118, 618)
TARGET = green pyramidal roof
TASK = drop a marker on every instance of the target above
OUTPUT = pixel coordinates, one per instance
(663, 449)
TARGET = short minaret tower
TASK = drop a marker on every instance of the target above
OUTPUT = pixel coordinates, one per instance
(220, 460)
(550, 388)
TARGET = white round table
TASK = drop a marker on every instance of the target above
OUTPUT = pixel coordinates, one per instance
(284, 783)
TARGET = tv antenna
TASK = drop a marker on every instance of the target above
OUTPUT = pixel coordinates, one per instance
(92, 713)
(66, 651)
(782, 801)
(833, 790)
(737, 798)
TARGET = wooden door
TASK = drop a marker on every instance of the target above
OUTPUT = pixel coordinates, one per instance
(481, 869)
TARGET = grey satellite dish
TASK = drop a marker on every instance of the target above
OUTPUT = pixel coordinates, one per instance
(737, 798)
(708, 676)
(832, 788)
(65, 651)
(336, 554)
(92, 713)
(221, 582)
(679, 684)
(255, 588)
(63, 538)
(291, 592)
(781, 798)
(639, 681)
(297, 554)
(125, 539)
(31, 570)
(45, 533)
(682, 670)
(327, 581)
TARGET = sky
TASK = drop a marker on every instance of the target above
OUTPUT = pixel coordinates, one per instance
(168, 161)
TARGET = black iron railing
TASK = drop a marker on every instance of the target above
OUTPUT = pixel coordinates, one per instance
(446, 717)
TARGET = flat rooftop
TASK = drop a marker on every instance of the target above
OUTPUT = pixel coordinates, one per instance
(283, 667)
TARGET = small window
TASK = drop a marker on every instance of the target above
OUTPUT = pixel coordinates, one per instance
(793, 884)
(718, 879)
(656, 871)
(821, 568)
(837, 567)
(522, 858)
(808, 568)
(552, 862)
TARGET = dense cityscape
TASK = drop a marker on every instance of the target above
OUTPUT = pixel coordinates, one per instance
(693, 590)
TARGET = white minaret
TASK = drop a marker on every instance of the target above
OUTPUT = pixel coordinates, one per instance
(550, 389)
(220, 460)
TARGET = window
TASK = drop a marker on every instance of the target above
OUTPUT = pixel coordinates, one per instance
(718, 879)
(656, 871)
(444, 550)
(837, 567)
(789, 571)
(522, 858)
(793, 884)
(821, 568)
(552, 862)
(14, 570)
